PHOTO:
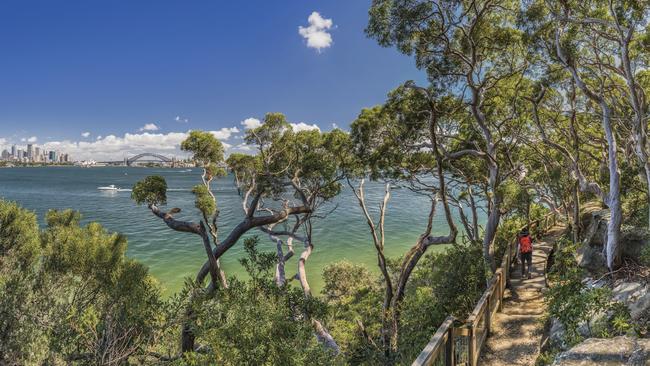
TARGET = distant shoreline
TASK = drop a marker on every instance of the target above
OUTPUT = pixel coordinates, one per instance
(77, 166)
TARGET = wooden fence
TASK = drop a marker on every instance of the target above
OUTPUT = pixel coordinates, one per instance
(456, 343)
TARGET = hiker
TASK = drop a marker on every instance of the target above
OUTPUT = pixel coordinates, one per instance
(525, 250)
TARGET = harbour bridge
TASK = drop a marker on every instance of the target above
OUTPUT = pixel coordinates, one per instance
(148, 157)
(143, 157)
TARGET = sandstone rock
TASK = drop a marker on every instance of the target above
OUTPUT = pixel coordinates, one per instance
(633, 239)
(590, 253)
(616, 351)
(556, 335)
(591, 258)
(633, 294)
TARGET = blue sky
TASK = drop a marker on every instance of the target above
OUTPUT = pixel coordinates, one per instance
(109, 68)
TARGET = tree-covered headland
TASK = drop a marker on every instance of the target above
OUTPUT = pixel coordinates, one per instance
(529, 107)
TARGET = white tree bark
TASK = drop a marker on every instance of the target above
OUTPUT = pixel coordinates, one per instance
(613, 198)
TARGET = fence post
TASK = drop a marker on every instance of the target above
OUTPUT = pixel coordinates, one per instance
(472, 345)
(502, 291)
(507, 266)
(450, 359)
(488, 318)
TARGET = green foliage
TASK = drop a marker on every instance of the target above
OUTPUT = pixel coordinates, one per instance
(152, 190)
(546, 358)
(353, 295)
(317, 159)
(206, 149)
(254, 322)
(84, 301)
(203, 201)
(21, 336)
(18, 235)
(457, 276)
(516, 198)
(644, 257)
(444, 283)
(212, 170)
(619, 321)
(575, 305)
(507, 233)
(344, 278)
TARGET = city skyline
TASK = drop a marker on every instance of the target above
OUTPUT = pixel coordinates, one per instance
(32, 153)
(108, 79)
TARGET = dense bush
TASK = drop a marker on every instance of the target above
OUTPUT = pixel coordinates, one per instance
(69, 294)
(582, 310)
(254, 322)
(444, 283)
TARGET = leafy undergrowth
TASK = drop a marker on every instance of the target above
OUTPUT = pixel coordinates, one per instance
(584, 308)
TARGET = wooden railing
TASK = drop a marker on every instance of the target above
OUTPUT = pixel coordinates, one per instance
(460, 343)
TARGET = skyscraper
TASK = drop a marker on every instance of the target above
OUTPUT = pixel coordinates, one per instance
(30, 152)
(13, 151)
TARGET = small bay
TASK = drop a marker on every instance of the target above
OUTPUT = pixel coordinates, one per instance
(173, 256)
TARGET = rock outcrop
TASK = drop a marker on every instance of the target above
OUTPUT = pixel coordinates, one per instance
(616, 351)
(590, 253)
(635, 295)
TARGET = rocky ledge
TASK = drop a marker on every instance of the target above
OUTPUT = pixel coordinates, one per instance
(616, 351)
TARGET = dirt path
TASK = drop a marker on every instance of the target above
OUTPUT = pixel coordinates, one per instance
(517, 330)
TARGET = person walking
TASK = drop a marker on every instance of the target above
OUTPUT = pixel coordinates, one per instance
(525, 244)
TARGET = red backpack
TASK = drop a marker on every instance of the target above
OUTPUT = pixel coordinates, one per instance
(525, 244)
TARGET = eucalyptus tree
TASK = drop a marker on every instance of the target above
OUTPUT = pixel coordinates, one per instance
(565, 123)
(615, 36)
(208, 153)
(473, 51)
(291, 177)
(399, 143)
(310, 163)
(592, 41)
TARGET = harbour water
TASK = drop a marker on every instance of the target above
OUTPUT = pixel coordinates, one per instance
(173, 256)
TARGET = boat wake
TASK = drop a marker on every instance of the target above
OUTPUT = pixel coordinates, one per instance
(113, 188)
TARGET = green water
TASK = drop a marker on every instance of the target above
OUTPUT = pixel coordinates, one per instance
(173, 256)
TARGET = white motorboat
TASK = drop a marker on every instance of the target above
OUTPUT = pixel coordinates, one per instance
(109, 188)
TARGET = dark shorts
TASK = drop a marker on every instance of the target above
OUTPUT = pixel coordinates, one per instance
(527, 257)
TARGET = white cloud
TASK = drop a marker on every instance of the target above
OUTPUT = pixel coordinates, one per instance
(225, 133)
(250, 123)
(316, 33)
(115, 148)
(149, 127)
(302, 126)
(85, 134)
(181, 119)
(243, 147)
(31, 139)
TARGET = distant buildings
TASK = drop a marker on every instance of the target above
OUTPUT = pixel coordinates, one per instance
(34, 154)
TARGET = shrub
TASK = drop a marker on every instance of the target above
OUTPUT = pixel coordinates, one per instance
(575, 305)
(83, 301)
(253, 322)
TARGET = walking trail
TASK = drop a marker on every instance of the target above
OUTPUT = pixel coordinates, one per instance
(517, 330)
